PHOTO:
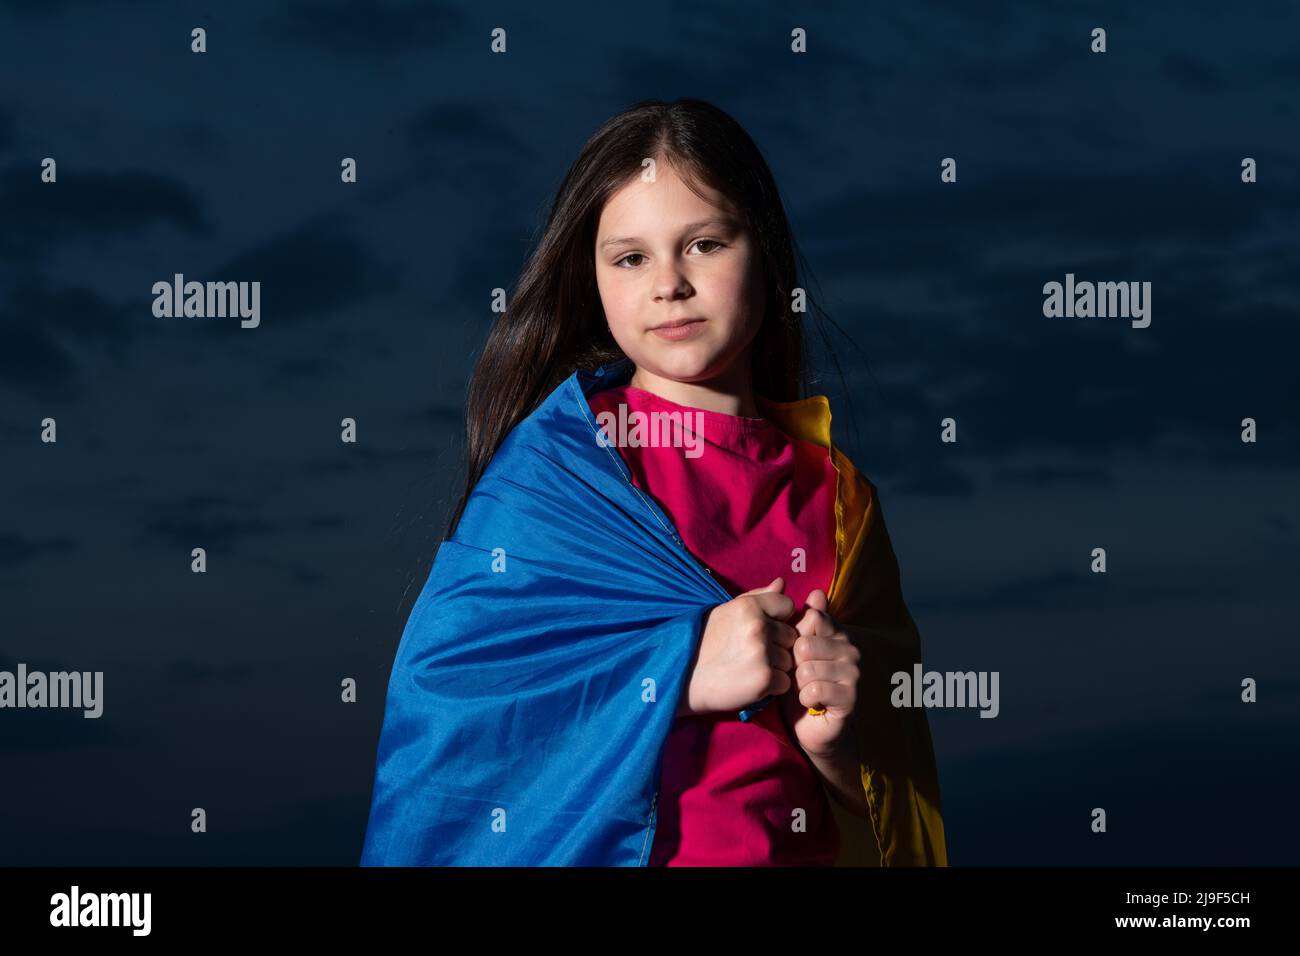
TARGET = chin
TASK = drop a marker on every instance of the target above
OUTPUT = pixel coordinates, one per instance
(689, 366)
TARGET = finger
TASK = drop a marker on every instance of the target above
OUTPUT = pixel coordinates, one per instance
(818, 599)
(802, 621)
(779, 607)
(779, 657)
(781, 634)
(816, 623)
(833, 648)
(779, 684)
(840, 672)
(777, 585)
(817, 648)
(823, 695)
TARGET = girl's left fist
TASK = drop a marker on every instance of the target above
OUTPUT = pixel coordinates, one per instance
(825, 678)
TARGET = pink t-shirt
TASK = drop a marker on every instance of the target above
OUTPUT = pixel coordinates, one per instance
(743, 495)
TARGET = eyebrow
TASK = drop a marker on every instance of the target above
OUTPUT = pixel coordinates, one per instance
(726, 222)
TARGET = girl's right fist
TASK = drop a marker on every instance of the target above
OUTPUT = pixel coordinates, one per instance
(744, 652)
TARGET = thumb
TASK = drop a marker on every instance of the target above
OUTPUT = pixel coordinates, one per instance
(818, 600)
(777, 585)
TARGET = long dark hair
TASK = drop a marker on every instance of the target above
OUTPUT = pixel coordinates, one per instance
(554, 322)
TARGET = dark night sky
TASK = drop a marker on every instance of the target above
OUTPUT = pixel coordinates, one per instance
(222, 690)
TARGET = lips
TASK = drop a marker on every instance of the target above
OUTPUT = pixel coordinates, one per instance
(678, 330)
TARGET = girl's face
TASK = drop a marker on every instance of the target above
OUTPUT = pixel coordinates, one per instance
(664, 255)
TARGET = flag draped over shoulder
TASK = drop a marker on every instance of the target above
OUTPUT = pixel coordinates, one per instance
(541, 667)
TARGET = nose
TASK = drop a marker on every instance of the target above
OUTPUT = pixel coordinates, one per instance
(671, 282)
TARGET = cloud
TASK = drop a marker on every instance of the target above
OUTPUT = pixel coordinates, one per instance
(86, 204)
(1192, 74)
(34, 361)
(216, 522)
(313, 269)
(17, 549)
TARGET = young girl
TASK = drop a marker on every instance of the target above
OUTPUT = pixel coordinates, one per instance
(661, 625)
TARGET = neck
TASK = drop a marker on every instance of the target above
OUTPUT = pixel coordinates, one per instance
(730, 393)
